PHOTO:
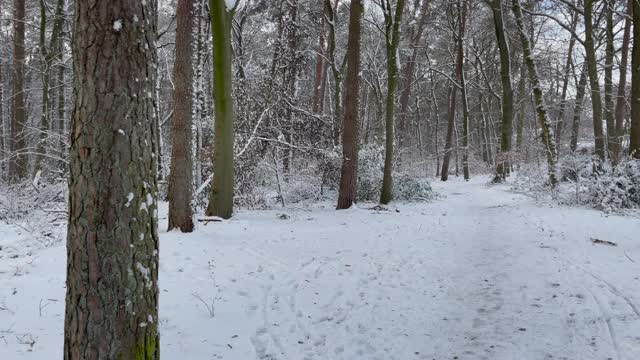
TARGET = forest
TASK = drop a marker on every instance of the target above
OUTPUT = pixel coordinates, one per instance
(319, 179)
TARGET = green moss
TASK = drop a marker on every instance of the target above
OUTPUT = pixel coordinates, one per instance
(147, 349)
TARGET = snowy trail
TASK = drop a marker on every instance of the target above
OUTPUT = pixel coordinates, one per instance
(481, 274)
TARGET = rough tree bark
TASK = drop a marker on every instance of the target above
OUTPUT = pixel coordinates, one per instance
(548, 139)
(112, 240)
(18, 163)
(221, 196)
(321, 69)
(392, 35)
(181, 176)
(349, 175)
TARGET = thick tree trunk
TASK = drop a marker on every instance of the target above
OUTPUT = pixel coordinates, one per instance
(592, 70)
(349, 176)
(112, 240)
(577, 110)
(634, 134)
(221, 197)
(503, 163)
(548, 139)
(622, 87)
(181, 175)
(19, 162)
(392, 34)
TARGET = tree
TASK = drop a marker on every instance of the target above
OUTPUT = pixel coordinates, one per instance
(221, 196)
(451, 125)
(621, 100)
(392, 36)
(634, 134)
(112, 239)
(592, 71)
(349, 176)
(503, 163)
(548, 140)
(181, 176)
(18, 163)
(577, 111)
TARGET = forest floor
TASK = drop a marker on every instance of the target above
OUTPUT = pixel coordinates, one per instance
(481, 273)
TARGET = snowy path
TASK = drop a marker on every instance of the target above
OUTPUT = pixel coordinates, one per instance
(480, 274)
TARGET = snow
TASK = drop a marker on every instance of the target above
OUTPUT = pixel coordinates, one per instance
(117, 25)
(482, 273)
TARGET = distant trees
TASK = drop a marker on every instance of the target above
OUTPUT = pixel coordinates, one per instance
(112, 238)
(349, 174)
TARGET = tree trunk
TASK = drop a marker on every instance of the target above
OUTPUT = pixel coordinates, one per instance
(19, 162)
(547, 131)
(608, 77)
(112, 239)
(181, 175)
(349, 176)
(622, 87)
(592, 70)
(462, 15)
(221, 197)
(577, 111)
(392, 35)
(504, 162)
(634, 134)
(320, 70)
(522, 94)
(444, 175)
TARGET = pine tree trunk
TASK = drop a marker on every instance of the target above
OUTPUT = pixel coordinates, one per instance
(221, 197)
(349, 175)
(19, 162)
(547, 131)
(392, 33)
(112, 239)
(181, 175)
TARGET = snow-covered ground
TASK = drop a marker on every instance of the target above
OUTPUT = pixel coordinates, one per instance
(481, 273)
